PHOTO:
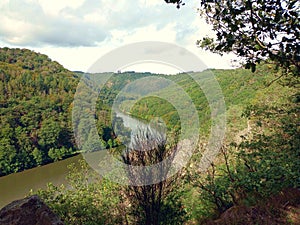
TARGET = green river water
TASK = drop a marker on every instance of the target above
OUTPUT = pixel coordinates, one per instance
(18, 185)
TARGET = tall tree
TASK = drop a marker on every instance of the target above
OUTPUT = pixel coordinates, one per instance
(254, 30)
(152, 203)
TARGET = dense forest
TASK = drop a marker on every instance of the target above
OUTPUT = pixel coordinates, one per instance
(36, 104)
(254, 180)
(258, 162)
(48, 113)
(35, 97)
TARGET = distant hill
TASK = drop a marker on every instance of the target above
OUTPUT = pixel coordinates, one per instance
(36, 96)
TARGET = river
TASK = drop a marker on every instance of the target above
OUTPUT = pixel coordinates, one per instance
(16, 186)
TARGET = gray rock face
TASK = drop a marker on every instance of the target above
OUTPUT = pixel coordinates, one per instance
(28, 211)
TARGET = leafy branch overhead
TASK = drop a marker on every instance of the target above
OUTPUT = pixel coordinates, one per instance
(177, 2)
(254, 30)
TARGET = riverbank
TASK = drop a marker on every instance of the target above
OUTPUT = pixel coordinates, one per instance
(17, 185)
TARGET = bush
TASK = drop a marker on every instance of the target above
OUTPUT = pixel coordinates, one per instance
(86, 200)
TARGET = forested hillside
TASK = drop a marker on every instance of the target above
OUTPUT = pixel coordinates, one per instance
(259, 158)
(254, 179)
(35, 104)
(36, 96)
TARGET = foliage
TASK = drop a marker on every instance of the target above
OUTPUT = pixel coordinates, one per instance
(255, 31)
(239, 88)
(273, 210)
(36, 97)
(265, 162)
(178, 3)
(153, 196)
(35, 101)
(86, 200)
(89, 199)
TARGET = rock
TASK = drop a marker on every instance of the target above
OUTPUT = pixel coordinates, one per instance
(29, 211)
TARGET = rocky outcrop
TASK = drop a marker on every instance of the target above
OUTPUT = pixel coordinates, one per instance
(281, 208)
(28, 211)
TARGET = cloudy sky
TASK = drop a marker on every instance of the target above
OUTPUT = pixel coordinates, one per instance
(78, 32)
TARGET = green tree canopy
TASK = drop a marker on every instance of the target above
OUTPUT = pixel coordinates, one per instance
(254, 30)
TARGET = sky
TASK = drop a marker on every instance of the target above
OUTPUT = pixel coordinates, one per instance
(76, 33)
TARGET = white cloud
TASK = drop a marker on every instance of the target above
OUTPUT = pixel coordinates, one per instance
(26, 24)
(53, 7)
(77, 32)
(83, 23)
